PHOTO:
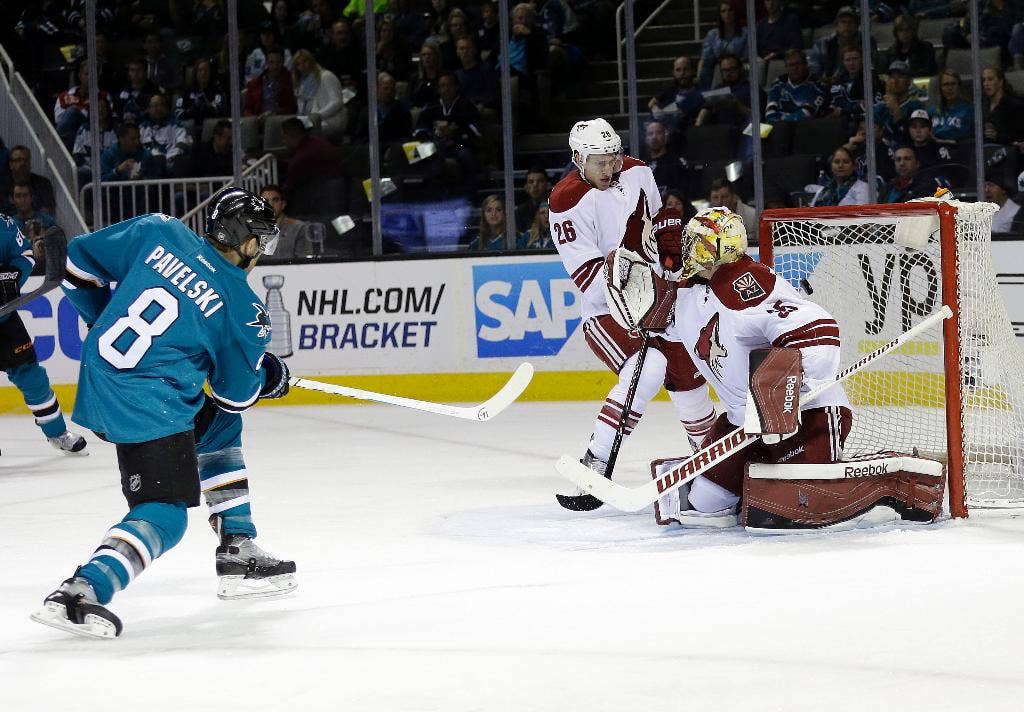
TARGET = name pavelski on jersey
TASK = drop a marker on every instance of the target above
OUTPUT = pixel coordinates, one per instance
(174, 270)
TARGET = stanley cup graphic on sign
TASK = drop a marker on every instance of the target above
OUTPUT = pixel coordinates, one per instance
(280, 319)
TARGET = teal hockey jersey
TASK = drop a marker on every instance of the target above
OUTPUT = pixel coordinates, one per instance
(181, 315)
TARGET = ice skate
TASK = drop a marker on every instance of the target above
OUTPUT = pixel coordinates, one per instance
(246, 571)
(73, 608)
(69, 443)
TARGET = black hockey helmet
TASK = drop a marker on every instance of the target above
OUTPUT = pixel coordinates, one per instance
(234, 214)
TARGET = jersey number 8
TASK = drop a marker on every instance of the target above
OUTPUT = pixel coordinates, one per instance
(143, 329)
(565, 232)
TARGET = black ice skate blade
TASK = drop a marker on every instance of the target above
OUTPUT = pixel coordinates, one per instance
(579, 503)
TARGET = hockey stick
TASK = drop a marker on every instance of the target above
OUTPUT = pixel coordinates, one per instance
(588, 502)
(634, 499)
(501, 400)
(56, 253)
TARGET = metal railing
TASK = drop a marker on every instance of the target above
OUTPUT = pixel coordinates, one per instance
(42, 125)
(15, 127)
(68, 216)
(184, 197)
(620, 40)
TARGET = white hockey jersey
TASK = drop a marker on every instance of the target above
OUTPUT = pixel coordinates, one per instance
(746, 307)
(587, 224)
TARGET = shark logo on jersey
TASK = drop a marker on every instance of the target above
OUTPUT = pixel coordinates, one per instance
(748, 287)
(709, 346)
(261, 322)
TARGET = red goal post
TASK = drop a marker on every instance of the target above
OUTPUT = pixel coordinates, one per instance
(958, 395)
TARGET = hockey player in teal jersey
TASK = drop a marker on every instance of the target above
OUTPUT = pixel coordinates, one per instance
(181, 316)
(17, 355)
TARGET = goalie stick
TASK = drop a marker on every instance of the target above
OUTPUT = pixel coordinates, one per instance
(633, 499)
(588, 502)
(56, 255)
(501, 400)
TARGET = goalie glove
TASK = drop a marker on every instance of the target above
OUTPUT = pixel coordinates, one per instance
(639, 236)
(9, 289)
(773, 399)
(275, 376)
(637, 297)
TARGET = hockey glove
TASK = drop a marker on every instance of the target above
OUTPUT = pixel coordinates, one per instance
(668, 234)
(275, 374)
(9, 290)
(639, 234)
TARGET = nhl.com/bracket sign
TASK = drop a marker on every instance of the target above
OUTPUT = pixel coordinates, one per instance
(524, 309)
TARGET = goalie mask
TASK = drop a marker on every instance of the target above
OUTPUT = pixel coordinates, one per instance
(592, 138)
(715, 236)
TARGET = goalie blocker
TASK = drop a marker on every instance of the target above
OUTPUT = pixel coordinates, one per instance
(780, 498)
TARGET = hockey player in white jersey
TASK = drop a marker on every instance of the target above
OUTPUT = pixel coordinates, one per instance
(609, 197)
(760, 343)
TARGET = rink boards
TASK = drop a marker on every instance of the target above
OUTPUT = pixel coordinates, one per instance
(438, 329)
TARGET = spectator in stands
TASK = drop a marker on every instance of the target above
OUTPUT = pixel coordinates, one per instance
(538, 235)
(908, 47)
(128, 159)
(952, 115)
(82, 150)
(908, 183)
(160, 69)
(1002, 111)
(167, 139)
(844, 187)
(256, 62)
(479, 81)
(670, 170)
(847, 91)
(929, 151)
(272, 91)
(132, 100)
(488, 36)
(204, 98)
(408, 24)
(922, 9)
(723, 194)
(537, 188)
(210, 21)
(283, 20)
(423, 88)
(19, 164)
(527, 47)
(313, 26)
(394, 122)
(33, 223)
(824, 59)
(71, 109)
(393, 54)
(319, 96)
(778, 31)
(732, 109)
(794, 97)
(343, 54)
(675, 199)
(996, 20)
(857, 146)
(437, 15)
(729, 37)
(293, 242)
(680, 103)
(456, 26)
(215, 157)
(312, 157)
(896, 106)
(452, 122)
(1008, 218)
(490, 236)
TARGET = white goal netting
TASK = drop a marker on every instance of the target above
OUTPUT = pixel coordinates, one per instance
(878, 281)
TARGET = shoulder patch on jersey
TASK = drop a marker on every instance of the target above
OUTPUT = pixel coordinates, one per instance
(261, 322)
(743, 284)
(568, 192)
(630, 162)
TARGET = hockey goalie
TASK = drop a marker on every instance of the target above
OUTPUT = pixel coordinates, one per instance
(760, 345)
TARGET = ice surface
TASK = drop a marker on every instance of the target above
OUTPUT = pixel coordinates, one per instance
(436, 572)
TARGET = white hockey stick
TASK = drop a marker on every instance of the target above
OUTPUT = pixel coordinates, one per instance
(501, 400)
(633, 499)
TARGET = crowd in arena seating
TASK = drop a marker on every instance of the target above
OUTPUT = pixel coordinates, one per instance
(164, 102)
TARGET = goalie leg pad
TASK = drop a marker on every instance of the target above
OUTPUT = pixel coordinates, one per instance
(773, 399)
(842, 495)
(674, 507)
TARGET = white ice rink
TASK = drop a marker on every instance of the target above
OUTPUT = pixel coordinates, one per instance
(436, 572)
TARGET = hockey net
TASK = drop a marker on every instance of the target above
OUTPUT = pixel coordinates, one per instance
(956, 394)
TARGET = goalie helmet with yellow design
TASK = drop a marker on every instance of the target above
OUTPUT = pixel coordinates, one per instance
(714, 236)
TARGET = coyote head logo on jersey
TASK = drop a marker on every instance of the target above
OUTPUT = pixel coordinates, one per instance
(709, 347)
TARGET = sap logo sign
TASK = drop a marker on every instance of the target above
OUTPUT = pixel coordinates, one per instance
(524, 309)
